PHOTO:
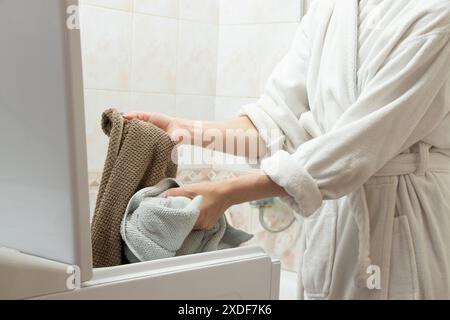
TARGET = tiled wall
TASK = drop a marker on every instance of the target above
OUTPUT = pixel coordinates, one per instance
(253, 37)
(199, 59)
(147, 55)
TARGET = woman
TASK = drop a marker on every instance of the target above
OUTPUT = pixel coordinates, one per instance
(360, 107)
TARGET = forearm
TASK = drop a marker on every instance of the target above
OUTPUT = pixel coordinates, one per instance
(236, 136)
(250, 188)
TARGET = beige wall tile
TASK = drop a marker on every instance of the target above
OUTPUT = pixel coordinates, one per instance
(248, 55)
(195, 107)
(106, 46)
(197, 58)
(148, 102)
(154, 54)
(97, 101)
(126, 5)
(165, 8)
(199, 10)
(228, 107)
(238, 67)
(259, 11)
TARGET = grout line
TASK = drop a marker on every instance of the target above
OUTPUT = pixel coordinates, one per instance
(257, 23)
(161, 93)
(169, 94)
(89, 5)
(150, 14)
(190, 20)
(237, 97)
(176, 59)
(176, 18)
(133, 49)
(219, 46)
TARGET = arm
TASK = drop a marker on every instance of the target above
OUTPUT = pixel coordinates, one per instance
(219, 196)
(401, 106)
(236, 136)
(263, 127)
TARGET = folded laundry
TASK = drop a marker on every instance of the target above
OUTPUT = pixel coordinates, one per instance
(139, 155)
(156, 227)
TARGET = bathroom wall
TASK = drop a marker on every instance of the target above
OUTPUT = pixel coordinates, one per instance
(253, 36)
(200, 59)
(147, 55)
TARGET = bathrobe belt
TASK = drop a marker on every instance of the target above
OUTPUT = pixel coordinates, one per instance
(418, 163)
(424, 158)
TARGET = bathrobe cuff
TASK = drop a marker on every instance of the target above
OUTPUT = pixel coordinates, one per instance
(268, 130)
(304, 194)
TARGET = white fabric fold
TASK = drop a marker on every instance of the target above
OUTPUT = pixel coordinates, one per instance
(305, 197)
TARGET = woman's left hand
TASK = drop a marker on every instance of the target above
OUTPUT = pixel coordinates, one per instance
(214, 204)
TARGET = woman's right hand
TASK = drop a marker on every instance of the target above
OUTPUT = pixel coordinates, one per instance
(172, 126)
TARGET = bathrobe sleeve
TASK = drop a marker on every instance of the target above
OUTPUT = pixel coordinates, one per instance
(276, 113)
(399, 106)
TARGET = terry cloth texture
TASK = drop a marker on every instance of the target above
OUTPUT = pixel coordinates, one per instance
(156, 227)
(139, 155)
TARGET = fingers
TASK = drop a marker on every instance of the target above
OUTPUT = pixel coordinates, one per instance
(131, 115)
(203, 224)
(137, 115)
(180, 192)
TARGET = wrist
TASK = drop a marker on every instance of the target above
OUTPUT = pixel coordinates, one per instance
(193, 131)
(249, 188)
(184, 124)
(227, 190)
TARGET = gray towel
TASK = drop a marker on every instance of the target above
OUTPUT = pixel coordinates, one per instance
(156, 227)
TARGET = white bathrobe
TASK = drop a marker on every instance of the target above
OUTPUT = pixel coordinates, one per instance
(359, 137)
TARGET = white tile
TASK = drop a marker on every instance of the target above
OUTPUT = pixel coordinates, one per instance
(197, 58)
(126, 5)
(228, 107)
(147, 102)
(106, 47)
(96, 102)
(200, 10)
(154, 54)
(195, 107)
(248, 55)
(238, 69)
(259, 11)
(165, 8)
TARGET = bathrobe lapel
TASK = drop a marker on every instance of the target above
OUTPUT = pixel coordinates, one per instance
(348, 28)
(358, 199)
(337, 82)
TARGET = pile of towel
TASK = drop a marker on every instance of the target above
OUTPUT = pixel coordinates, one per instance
(139, 156)
(129, 206)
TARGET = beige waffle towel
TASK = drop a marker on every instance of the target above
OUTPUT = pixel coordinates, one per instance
(139, 156)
